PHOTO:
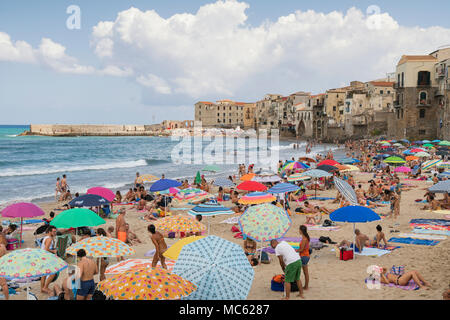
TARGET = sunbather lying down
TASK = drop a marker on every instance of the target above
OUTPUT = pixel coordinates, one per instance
(402, 280)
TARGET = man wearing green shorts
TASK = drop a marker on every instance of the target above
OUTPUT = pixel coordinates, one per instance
(291, 264)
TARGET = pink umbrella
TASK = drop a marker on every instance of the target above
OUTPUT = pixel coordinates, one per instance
(402, 169)
(22, 210)
(174, 190)
(417, 150)
(102, 192)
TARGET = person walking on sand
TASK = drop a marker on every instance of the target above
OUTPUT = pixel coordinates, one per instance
(48, 244)
(64, 185)
(160, 246)
(291, 264)
(304, 253)
(87, 268)
(57, 188)
(121, 228)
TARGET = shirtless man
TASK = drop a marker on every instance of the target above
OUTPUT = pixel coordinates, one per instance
(160, 246)
(3, 283)
(379, 237)
(129, 196)
(361, 240)
(64, 186)
(121, 229)
(136, 183)
(132, 238)
(57, 188)
(87, 269)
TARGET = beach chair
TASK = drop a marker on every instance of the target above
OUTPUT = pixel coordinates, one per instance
(61, 245)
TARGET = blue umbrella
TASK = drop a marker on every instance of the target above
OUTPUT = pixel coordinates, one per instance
(441, 187)
(218, 267)
(283, 188)
(164, 184)
(405, 140)
(354, 214)
(436, 141)
(315, 173)
(444, 174)
(211, 208)
(223, 182)
(88, 200)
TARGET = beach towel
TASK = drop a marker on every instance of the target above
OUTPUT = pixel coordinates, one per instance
(29, 221)
(180, 209)
(430, 231)
(321, 228)
(126, 265)
(390, 248)
(368, 251)
(410, 286)
(421, 236)
(321, 198)
(429, 226)
(436, 222)
(414, 241)
(442, 211)
(232, 220)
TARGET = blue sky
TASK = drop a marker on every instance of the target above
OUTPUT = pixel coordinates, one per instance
(40, 92)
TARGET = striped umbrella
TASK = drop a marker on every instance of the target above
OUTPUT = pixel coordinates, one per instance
(444, 165)
(294, 165)
(346, 190)
(210, 209)
(315, 173)
(223, 182)
(431, 163)
(257, 198)
(266, 179)
(422, 154)
(283, 188)
(297, 177)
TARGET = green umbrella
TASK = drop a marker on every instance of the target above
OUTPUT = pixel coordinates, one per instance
(198, 178)
(76, 218)
(211, 168)
(444, 143)
(394, 160)
(429, 145)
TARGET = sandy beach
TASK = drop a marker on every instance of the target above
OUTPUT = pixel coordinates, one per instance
(330, 278)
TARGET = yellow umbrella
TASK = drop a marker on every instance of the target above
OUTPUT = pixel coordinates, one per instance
(179, 223)
(351, 168)
(146, 178)
(175, 249)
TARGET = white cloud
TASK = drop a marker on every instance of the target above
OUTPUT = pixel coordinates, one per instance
(152, 81)
(17, 52)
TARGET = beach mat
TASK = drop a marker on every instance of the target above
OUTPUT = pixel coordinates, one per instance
(321, 198)
(442, 211)
(390, 248)
(368, 251)
(29, 221)
(232, 220)
(313, 227)
(175, 209)
(421, 236)
(410, 286)
(430, 227)
(414, 241)
(430, 231)
(435, 222)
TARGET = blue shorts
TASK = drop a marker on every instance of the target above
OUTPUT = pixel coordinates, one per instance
(305, 260)
(86, 288)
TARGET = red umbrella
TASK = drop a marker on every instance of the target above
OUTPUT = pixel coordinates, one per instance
(251, 186)
(102, 192)
(328, 162)
(22, 210)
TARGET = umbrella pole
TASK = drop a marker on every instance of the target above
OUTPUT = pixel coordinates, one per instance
(21, 222)
(354, 241)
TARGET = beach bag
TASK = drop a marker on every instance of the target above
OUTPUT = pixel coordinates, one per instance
(277, 284)
(346, 254)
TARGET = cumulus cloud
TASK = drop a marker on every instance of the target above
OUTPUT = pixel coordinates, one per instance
(215, 52)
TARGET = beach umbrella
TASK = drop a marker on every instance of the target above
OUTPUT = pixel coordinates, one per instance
(264, 222)
(102, 192)
(22, 210)
(146, 178)
(198, 178)
(210, 209)
(316, 173)
(174, 251)
(179, 223)
(211, 168)
(398, 144)
(223, 182)
(346, 190)
(257, 198)
(442, 152)
(416, 150)
(351, 169)
(327, 168)
(76, 218)
(418, 142)
(404, 140)
(342, 167)
(422, 154)
(88, 200)
(445, 174)
(247, 177)
(431, 163)
(444, 143)
(444, 165)
(164, 184)
(129, 264)
(146, 284)
(266, 179)
(426, 141)
(394, 160)
(329, 162)
(410, 158)
(218, 267)
(354, 214)
(348, 160)
(30, 263)
(402, 169)
(408, 152)
(251, 186)
(441, 187)
(428, 145)
(297, 177)
(294, 165)
(307, 159)
(283, 188)
(99, 247)
(436, 141)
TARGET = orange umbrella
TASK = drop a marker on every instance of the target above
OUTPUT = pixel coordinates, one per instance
(247, 177)
(409, 158)
(342, 167)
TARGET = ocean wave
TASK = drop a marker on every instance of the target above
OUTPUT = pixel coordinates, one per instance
(50, 170)
(156, 161)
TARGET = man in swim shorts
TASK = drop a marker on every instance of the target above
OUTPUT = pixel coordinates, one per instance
(160, 246)
(87, 270)
(121, 228)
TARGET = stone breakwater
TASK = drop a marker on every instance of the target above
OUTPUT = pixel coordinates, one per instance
(94, 130)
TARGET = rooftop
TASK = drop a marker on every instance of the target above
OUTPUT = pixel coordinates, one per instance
(416, 58)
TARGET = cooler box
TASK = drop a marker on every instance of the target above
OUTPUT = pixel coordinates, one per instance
(346, 255)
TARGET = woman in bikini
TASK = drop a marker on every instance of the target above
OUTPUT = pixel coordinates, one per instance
(402, 280)
(249, 248)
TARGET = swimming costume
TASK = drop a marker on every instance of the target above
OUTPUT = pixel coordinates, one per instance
(86, 288)
(122, 236)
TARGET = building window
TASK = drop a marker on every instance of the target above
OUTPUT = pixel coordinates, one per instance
(381, 91)
(389, 92)
(341, 112)
(423, 78)
(334, 108)
(422, 113)
(423, 97)
(403, 78)
(401, 113)
(422, 132)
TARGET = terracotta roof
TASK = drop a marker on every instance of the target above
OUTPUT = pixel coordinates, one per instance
(382, 83)
(406, 58)
(205, 102)
(318, 95)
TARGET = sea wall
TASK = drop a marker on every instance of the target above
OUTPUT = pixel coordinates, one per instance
(92, 130)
